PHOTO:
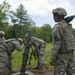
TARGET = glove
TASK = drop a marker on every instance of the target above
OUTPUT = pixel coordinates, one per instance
(34, 53)
(51, 63)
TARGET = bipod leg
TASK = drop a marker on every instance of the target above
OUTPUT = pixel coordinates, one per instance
(23, 73)
(30, 57)
(47, 67)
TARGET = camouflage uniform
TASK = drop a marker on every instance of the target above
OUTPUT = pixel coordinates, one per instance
(39, 46)
(3, 60)
(10, 45)
(62, 54)
(2, 34)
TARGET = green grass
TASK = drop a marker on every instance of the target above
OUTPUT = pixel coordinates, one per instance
(17, 57)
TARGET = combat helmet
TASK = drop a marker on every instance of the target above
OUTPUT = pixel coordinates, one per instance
(20, 40)
(32, 38)
(2, 33)
(60, 11)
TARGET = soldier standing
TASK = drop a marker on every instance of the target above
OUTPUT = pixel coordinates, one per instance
(39, 47)
(6, 49)
(63, 40)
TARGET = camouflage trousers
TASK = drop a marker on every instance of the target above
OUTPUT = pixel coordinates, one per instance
(5, 72)
(3, 60)
(41, 55)
(9, 62)
(64, 63)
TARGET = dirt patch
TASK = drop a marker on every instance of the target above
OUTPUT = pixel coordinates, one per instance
(45, 73)
(37, 72)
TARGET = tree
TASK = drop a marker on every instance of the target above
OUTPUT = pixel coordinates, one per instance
(4, 17)
(22, 19)
(4, 11)
(46, 33)
(36, 31)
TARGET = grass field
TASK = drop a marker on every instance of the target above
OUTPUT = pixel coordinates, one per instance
(17, 57)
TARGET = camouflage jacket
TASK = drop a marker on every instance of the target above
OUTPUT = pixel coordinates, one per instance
(1, 40)
(11, 45)
(37, 43)
(63, 39)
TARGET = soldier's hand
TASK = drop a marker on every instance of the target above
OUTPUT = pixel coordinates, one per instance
(33, 52)
(51, 63)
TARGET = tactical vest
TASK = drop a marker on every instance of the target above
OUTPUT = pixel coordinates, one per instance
(8, 44)
(68, 39)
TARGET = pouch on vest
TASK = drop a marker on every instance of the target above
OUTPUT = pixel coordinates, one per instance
(68, 36)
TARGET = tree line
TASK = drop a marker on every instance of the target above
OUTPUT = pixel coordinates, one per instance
(17, 23)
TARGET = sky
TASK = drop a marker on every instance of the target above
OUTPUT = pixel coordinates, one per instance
(40, 11)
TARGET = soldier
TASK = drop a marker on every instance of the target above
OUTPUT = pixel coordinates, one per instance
(7, 47)
(3, 61)
(63, 44)
(39, 47)
(2, 34)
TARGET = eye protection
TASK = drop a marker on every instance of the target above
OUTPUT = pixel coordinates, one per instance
(55, 14)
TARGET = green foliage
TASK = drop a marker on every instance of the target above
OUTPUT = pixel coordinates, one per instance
(46, 33)
(20, 20)
(17, 59)
(21, 23)
(4, 11)
(47, 53)
(35, 31)
(24, 22)
(6, 28)
(4, 16)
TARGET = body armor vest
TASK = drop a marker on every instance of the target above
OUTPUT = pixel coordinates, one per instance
(68, 39)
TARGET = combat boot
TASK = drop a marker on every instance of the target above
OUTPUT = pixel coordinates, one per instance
(37, 67)
(6, 72)
(23, 73)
